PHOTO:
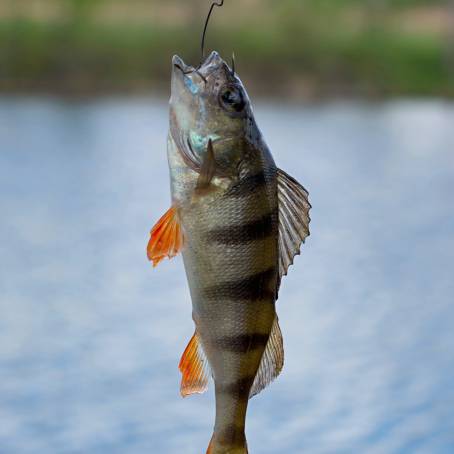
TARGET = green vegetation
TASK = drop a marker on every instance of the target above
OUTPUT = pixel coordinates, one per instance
(295, 47)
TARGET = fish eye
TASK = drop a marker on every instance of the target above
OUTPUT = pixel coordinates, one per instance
(231, 98)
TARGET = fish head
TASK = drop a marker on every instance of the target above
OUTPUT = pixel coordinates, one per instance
(209, 103)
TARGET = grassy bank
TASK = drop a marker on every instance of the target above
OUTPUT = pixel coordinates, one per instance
(310, 51)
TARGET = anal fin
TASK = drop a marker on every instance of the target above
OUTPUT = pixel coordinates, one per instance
(194, 368)
(166, 239)
(272, 361)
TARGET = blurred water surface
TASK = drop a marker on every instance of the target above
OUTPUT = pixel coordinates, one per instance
(90, 335)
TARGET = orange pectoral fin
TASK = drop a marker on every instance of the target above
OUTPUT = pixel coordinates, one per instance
(167, 238)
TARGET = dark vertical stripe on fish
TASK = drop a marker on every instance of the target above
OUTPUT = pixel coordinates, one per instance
(242, 343)
(252, 288)
(244, 233)
(239, 389)
(247, 184)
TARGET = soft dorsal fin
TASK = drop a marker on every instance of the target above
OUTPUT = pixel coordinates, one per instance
(294, 219)
(272, 361)
(194, 368)
(167, 237)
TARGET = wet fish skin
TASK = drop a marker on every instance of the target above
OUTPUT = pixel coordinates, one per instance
(241, 221)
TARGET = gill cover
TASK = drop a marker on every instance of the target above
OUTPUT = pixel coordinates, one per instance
(209, 104)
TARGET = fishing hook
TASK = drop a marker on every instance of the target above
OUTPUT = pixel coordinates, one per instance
(201, 75)
(221, 3)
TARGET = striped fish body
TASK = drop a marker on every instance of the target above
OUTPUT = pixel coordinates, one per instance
(239, 222)
(231, 259)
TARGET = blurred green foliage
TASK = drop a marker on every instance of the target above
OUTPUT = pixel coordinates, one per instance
(295, 47)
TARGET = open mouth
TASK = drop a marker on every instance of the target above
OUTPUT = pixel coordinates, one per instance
(186, 69)
(181, 65)
(203, 70)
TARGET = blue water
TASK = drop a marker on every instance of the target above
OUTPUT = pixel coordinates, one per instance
(91, 335)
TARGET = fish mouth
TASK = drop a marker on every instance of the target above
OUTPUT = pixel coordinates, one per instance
(178, 63)
(211, 63)
(185, 69)
(214, 59)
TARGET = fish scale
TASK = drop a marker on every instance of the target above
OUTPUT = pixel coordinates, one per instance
(239, 221)
(236, 285)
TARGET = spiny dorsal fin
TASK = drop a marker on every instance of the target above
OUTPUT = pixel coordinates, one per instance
(272, 361)
(194, 368)
(167, 237)
(294, 219)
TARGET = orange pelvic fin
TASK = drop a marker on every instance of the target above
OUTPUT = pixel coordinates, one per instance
(167, 238)
(194, 368)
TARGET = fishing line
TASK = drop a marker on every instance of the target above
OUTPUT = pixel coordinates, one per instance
(221, 3)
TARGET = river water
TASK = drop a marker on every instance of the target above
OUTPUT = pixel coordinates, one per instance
(91, 335)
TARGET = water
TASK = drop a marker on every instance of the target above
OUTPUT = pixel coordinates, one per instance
(90, 335)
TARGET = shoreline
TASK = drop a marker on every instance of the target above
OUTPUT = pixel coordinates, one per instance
(293, 59)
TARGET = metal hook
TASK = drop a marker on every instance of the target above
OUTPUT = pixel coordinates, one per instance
(221, 3)
(201, 75)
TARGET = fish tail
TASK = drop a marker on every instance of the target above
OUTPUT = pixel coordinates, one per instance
(217, 447)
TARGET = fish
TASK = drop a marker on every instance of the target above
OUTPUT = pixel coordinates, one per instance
(239, 221)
